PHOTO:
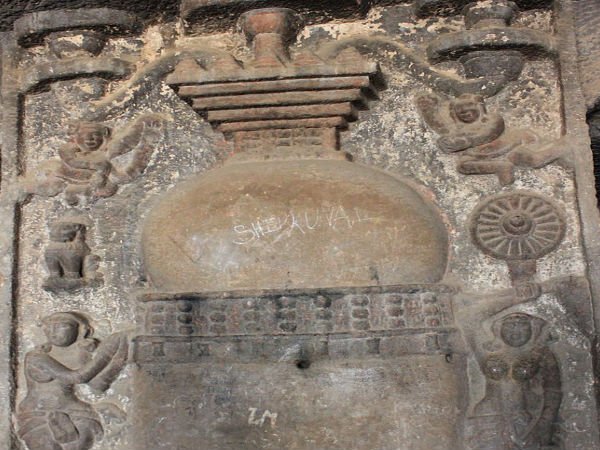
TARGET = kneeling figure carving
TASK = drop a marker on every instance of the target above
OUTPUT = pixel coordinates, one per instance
(51, 416)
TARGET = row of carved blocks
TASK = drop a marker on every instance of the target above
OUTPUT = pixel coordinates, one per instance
(301, 314)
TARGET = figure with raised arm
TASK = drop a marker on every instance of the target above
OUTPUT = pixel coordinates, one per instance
(522, 393)
(480, 138)
(86, 168)
(51, 416)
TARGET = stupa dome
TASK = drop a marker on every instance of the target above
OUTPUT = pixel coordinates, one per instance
(293, 224)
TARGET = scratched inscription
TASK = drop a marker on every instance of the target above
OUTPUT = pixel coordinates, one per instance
(335, 218)
(256, 420)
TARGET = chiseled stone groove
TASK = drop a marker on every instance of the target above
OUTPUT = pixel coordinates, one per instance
(250, 349)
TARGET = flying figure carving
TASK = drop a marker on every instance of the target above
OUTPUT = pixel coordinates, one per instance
(484, 144)
(86, 168)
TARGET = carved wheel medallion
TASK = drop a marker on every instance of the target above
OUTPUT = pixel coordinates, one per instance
(517, 226)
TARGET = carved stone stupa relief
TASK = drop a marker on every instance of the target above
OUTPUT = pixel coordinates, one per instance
(270, 201)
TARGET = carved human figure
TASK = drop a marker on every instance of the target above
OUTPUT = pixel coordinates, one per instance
(51, 416)
(486, 147)
(86, 167)
(522, 393)
(68, 257)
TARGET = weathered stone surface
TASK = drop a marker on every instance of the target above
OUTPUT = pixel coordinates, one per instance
(221, 15)
(31, 28)
(321, 223)
(12, 10)
(331, 394)
(253, 224)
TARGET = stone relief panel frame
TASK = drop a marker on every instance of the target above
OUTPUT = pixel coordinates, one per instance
(95, 77)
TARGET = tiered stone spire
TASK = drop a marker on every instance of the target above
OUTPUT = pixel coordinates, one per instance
(276, 90)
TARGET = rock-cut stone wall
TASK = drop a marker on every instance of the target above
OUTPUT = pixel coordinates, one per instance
(254, 224)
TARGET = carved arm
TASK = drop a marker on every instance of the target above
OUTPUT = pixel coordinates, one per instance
(71, 155)
(542, 426)
(104, 379)
(485, 131)
(140, 138)
(472, 310)
(45, 364)
(429, 105)
(131, 137)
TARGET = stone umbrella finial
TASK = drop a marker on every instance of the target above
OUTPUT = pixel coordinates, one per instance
(270, 30)
(498, 13)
